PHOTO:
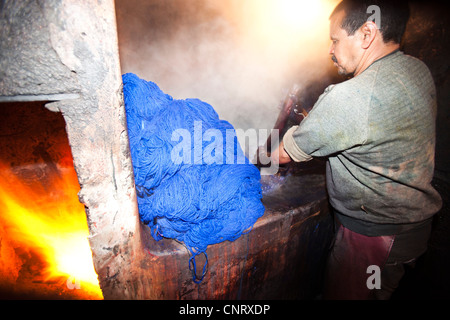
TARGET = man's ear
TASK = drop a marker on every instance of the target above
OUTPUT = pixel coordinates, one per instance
(369, 32)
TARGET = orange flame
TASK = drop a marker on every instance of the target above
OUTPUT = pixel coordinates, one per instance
(49, 220)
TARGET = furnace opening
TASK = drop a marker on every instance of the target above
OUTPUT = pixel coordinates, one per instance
(44, 245)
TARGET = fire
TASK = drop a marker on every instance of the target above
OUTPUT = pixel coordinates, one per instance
(50, 221)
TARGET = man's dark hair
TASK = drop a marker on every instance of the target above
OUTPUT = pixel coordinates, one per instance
(394, 17)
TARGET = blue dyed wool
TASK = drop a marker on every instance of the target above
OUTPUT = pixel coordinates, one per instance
(197, 204)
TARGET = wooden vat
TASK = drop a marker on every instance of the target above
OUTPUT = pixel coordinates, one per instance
(282, 257)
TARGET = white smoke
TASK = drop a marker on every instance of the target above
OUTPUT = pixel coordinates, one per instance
(232, 54)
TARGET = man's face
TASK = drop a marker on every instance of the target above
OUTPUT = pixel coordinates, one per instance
(345, 50)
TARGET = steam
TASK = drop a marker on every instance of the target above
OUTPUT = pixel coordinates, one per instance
(240, 56)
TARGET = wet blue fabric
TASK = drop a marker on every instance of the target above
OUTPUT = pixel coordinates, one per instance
(213, 194)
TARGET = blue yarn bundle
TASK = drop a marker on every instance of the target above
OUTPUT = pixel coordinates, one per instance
(195, 201)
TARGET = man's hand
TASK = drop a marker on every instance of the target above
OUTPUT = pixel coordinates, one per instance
(280, 156)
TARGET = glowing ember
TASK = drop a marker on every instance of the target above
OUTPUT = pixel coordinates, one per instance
(50, 222)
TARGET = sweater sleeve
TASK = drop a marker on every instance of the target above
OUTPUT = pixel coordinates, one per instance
(291, 147)
(337, 122)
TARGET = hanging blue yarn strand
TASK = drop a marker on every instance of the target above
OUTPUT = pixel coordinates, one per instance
(193, 182)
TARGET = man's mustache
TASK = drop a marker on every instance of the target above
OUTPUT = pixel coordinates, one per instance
(334, 59)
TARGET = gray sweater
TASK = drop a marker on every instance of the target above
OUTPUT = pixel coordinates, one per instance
(378, 132)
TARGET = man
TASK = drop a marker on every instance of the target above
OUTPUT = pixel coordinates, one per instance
(378, 131)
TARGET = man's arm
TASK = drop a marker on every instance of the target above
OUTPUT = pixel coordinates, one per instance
(288, 150)
(280, 156)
